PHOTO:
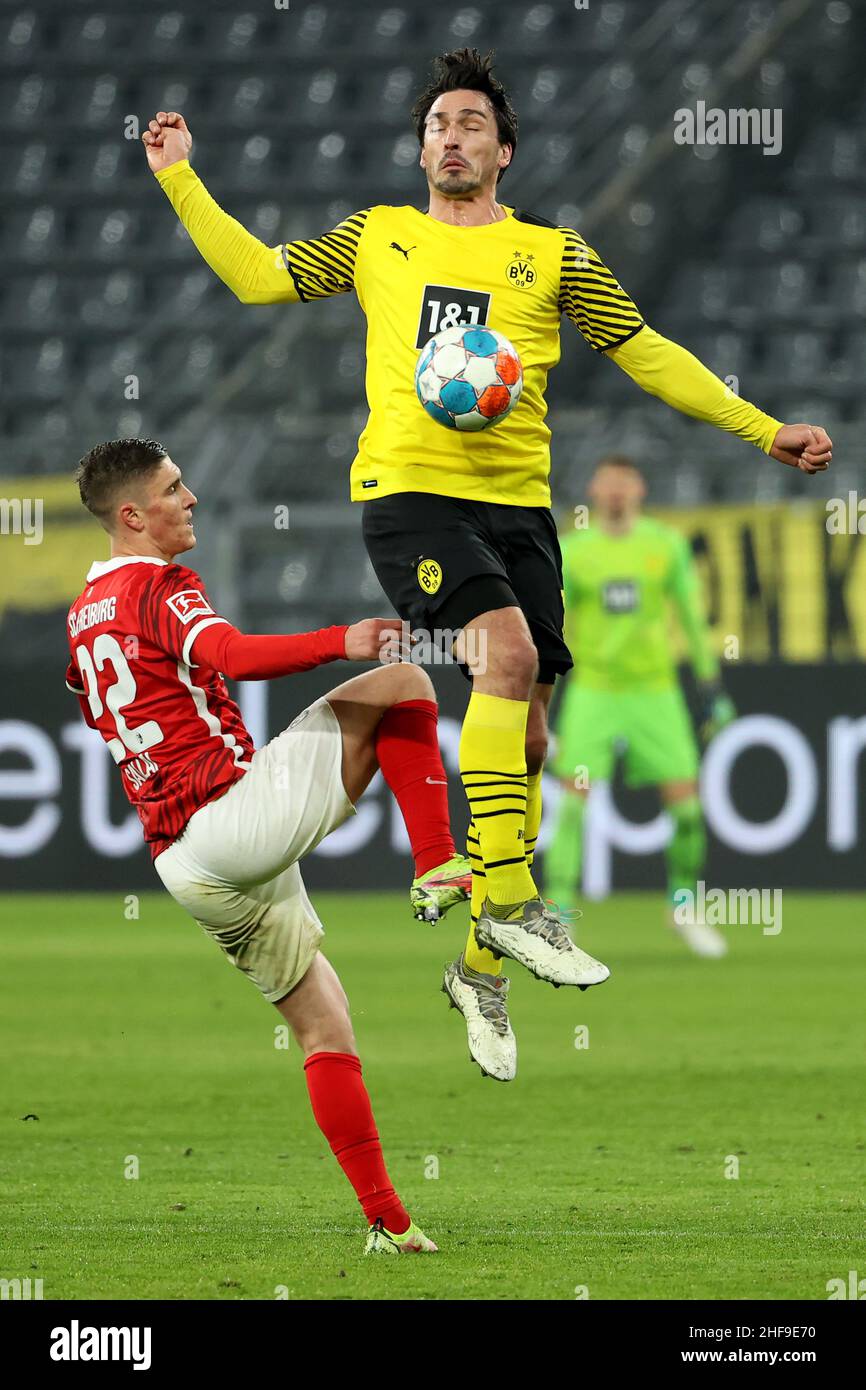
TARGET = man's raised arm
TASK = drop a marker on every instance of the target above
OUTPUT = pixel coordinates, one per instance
(257, 274)
(667, 370)
(611, 323)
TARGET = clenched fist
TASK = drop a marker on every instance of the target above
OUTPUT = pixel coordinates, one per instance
(379, 639)
(166, 140)
(807, 447)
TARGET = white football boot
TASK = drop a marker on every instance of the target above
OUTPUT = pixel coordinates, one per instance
(482, 1001)
(700, 938)
(533, 934)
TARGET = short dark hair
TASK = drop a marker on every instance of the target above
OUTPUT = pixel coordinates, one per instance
(465, 68)
(617, 461)
(110, 466)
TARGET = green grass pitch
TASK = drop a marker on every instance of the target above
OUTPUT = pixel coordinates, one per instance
(600, 1168)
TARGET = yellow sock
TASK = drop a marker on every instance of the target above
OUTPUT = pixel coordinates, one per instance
(493, 772)
(475, 956)
(479, 878)
(533, 815)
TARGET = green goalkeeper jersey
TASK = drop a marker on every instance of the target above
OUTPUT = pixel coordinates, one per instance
(619, 594)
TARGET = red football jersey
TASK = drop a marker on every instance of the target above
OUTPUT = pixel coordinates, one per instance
(169, 723)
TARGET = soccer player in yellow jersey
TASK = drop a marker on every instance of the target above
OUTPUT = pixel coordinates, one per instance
(458, 526)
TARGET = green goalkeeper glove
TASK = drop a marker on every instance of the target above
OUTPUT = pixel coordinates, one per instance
(716, 710)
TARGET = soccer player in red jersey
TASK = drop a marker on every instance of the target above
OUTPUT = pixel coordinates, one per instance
(227, 823)
(457, 524)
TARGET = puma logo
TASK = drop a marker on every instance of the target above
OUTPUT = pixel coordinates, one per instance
(395, 246)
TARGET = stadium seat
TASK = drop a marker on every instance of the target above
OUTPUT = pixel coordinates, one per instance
(853, 351)
(798, 357)
(167, 36)
(260, 164)
(385, 29)
(21, 36)
(732, 254)
(781, 291)
(319, 30)
(770, 223)
(37, 301)
(851, 222)
(114, 301)
(388, 90)
(107, 234)
(847, 289)
(28, 168)
(706, 292)
(236, 33)
(97, 168)
(32, 235)
(28, 101)
(37, 369)
(93, 101)
(725, 353)
(86, 37)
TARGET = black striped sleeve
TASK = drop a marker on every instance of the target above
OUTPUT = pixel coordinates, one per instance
(325, 265)
(592, 297)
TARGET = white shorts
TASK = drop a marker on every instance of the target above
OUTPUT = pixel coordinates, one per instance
(235, 867)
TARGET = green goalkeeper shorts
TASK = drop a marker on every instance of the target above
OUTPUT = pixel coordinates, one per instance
(650, 729)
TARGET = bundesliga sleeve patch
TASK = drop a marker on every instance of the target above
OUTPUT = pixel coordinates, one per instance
(189, 604)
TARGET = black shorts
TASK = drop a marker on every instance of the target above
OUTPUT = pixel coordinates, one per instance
(444, 560)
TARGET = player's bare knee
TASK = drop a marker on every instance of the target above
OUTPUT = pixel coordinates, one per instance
(329, 1031)
(410, 682)
(515, 660)
(323, 1041)
(526, 659)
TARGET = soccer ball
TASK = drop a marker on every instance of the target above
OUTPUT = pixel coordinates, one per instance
(468, 378)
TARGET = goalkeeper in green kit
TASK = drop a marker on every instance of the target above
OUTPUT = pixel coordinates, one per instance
(623, 574)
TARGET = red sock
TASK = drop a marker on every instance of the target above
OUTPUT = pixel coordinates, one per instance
(343, 1113)
(407, 746)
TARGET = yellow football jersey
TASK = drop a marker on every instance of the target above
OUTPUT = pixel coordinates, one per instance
(415, 275)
